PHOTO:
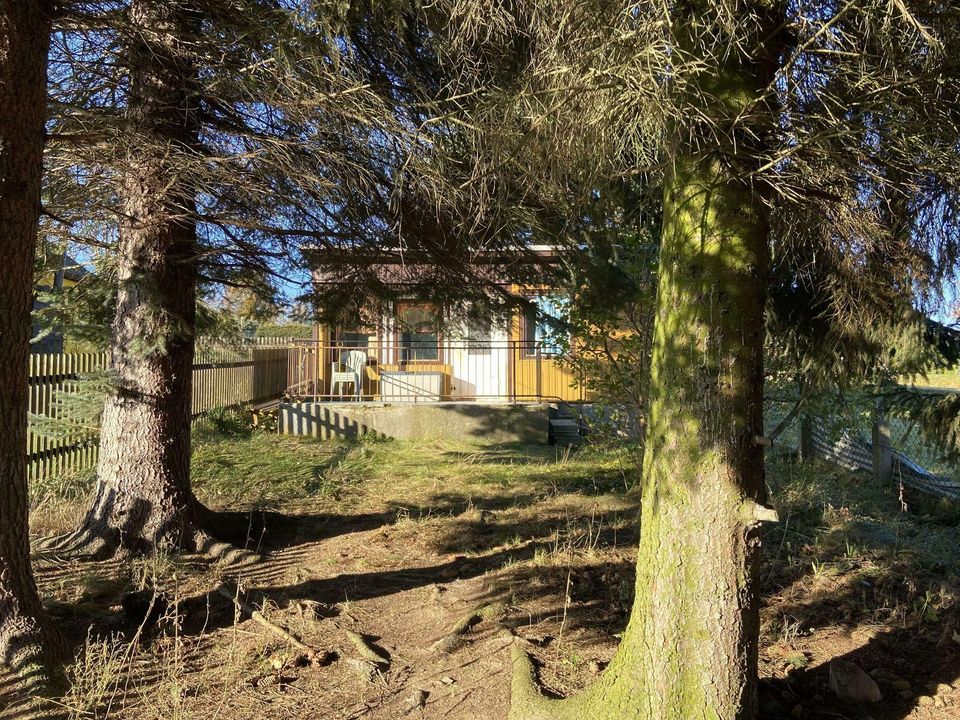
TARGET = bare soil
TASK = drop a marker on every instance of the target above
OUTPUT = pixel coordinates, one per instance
(399, 543)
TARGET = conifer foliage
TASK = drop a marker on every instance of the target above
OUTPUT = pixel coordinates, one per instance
(806, 161)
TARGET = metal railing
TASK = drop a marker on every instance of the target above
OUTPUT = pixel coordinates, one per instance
(420, 369)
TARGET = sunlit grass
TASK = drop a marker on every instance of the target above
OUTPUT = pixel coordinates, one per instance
(260, 468)
(947, 379)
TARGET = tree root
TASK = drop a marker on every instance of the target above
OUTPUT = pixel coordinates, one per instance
(233, 557)
(219, 537)
(455, 638)
(30, 691)
(33, 655)
(85, 544)
(310, 654)
(79, 544)
(528, 703)
(367, 651)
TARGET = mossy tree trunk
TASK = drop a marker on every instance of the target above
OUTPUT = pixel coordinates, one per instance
(689, 651)
(143, 499)
(24, 43)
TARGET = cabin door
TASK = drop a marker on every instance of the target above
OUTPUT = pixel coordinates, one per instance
(479, 360)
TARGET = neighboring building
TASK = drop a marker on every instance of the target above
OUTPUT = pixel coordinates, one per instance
(70, 273)
(405, 353)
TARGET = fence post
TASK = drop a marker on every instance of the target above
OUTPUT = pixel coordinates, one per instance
(513, 370)
(882, 457)
(806, 438)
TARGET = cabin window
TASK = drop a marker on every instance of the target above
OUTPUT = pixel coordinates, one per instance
(542, 325)
(478, 335)
(352, 339)
(419, 332)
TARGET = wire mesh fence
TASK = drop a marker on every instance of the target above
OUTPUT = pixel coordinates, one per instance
(891, 447)
(906, 438)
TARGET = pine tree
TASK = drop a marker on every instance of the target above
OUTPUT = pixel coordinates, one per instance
(143, 497)
(26, 637)
(241, 118)
(808, 149)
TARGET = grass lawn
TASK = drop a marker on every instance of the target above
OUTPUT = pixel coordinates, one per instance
(398, 542)
(947, 379)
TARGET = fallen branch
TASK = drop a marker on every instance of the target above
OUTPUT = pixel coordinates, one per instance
(318, 657)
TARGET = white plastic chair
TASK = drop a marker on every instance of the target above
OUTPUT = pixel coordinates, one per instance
(350, 369)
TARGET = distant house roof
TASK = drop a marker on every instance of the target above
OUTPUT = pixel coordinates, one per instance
(73, 270)
(395, 266)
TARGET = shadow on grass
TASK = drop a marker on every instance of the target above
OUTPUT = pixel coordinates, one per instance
(22, 696)
(600, 591)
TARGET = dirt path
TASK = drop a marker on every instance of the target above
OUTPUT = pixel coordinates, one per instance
(545, 546)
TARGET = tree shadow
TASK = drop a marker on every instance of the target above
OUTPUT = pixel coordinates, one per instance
(21, 696)
(479, 545)
(265, 531)
(211, 611)
(909, 664)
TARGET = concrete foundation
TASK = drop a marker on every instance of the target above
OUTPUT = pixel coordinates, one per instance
(497, 423)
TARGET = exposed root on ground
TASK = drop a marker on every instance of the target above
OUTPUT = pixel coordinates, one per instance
(528, 703)
(455, 638)
(367, 651)
(79, 544)
(214, 536)
(28, 694)
(31, 671)
(233, 558)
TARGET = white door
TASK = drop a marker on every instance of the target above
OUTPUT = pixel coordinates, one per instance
(478, 359)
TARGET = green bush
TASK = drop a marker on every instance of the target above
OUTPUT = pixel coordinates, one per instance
(291, 330)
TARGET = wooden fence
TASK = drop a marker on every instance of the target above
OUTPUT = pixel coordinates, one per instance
(222, 377)
(226, 378)
(49, 376)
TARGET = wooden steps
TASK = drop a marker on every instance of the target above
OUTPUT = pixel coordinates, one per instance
(564, 431)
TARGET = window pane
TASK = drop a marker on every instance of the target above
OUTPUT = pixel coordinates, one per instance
(354, 340)
(419, 346)
(419, 337)
(543, 326)
(418, 318)
(530, 326)
(478, 336)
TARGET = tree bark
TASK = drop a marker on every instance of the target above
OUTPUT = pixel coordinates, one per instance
(689, 651)
(143, 500)
(25, 637)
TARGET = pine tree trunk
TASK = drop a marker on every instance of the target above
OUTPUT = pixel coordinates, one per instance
(689, 651)
(24, 42)
(143, 499)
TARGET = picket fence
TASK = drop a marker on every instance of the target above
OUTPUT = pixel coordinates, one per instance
(223, 376)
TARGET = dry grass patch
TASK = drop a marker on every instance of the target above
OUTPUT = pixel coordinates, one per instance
(438, 555)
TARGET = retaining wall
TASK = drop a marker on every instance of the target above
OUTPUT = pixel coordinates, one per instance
(467, 420)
